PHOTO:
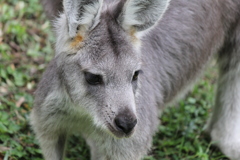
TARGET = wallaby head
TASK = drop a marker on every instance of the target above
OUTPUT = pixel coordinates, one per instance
(100, 61)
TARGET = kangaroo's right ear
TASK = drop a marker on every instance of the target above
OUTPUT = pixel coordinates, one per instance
(82, 15)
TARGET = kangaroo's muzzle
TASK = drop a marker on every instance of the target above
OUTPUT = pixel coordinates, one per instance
(125, 122)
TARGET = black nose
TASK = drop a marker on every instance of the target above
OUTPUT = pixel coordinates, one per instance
(125, 122)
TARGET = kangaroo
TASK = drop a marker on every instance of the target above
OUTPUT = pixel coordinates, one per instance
(118, 63)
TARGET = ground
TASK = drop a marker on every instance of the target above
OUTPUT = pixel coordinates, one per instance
(26, 47)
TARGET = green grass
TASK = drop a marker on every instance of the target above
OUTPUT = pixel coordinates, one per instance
(26, 48)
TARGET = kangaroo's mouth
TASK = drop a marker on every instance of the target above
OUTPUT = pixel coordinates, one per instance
(118, 132)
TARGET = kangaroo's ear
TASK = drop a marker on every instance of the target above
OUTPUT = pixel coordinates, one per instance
(140, 15)
(82, 15)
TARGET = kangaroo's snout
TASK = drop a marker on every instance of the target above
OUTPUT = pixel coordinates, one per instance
(125, 122)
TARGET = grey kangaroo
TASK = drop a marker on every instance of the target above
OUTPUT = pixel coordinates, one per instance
(118, 63)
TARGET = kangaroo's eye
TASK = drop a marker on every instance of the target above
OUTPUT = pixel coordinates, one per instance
(135, 76)
(93, 79)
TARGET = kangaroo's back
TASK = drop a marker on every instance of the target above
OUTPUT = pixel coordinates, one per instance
(187, 37)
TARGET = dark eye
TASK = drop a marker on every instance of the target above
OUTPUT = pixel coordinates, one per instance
(93, 79)
(135, 76)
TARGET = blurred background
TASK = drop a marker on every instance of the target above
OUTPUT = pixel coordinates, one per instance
(26, 47)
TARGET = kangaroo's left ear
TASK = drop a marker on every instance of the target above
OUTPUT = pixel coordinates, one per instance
(82, 15)
(140, 15)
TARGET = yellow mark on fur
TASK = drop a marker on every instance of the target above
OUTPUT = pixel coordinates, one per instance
(135, 40)
(78, 39)
(132, 34)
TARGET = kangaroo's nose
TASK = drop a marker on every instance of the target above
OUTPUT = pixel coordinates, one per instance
(125, 122)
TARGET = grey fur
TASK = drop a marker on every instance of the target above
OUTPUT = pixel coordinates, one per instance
(172, 55)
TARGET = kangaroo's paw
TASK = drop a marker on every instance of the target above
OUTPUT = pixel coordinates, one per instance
(229, 144)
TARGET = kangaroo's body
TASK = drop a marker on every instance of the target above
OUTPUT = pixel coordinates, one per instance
(117, 66)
